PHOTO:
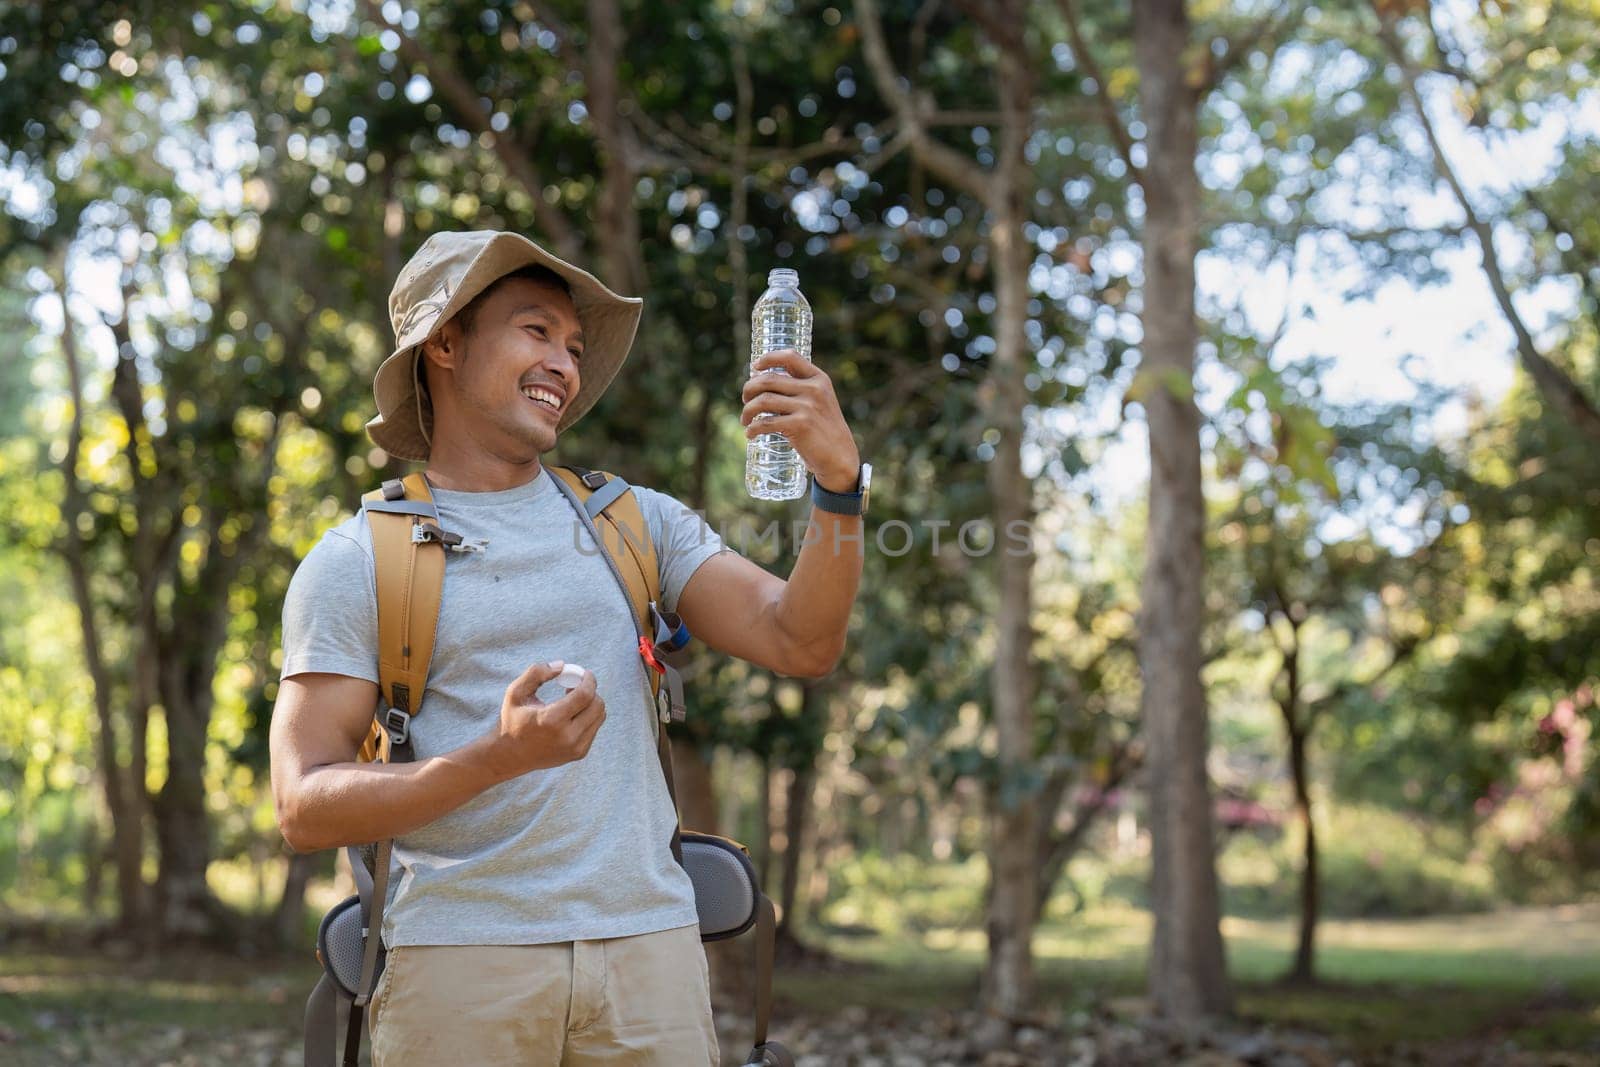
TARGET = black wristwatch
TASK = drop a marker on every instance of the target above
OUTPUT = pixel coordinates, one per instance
(845, 503)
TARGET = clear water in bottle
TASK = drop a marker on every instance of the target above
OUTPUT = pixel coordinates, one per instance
(773, 470)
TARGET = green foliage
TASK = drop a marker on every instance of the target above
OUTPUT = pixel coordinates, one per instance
(1374, 864)
(45, 729)
(900, 894)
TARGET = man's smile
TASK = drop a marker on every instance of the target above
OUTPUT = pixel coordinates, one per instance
(545, 397)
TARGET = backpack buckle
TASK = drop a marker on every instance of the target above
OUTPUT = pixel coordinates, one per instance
(423, 532)
(398, 725)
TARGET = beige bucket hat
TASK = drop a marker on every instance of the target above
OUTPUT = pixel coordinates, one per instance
(442, 278)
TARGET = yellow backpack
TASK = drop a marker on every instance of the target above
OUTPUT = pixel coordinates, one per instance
(408, 548)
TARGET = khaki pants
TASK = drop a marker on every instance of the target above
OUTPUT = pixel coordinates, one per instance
(642, 1000)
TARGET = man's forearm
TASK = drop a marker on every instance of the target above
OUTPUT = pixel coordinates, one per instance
(357, 803)
(814, 610)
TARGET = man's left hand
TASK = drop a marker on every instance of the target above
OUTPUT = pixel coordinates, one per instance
(805, 410)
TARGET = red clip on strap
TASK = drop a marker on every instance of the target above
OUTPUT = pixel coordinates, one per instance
(648, 651)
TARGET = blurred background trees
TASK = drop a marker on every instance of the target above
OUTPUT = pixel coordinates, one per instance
(1363, 653)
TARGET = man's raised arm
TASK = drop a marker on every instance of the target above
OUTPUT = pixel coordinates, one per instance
(795, 627)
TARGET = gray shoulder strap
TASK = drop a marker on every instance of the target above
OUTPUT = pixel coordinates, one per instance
(403, 507)
(322, 1024)
(601, 498)
(586, 515)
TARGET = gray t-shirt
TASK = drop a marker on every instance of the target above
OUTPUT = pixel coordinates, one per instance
(578, 851)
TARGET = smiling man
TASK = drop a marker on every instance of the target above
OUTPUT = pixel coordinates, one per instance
(536, 915)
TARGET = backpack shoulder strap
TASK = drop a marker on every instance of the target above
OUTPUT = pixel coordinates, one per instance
(408, 551)
(617, 523)
(622, 533)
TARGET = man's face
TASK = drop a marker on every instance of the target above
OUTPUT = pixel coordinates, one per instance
(517, 371)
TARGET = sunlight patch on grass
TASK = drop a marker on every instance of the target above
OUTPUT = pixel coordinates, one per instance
(68, 985)
(1500, 955)
(1521, 949)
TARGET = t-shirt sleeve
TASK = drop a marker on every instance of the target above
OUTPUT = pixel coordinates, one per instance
(330, 613)
(683, 540)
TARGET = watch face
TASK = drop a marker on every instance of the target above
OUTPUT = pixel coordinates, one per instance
(866, 485)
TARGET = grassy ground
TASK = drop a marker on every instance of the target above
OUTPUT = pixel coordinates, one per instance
(1397, 991)
(1530, 976)
(65, 1005)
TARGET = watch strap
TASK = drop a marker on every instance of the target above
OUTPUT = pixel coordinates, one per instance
(837, 503)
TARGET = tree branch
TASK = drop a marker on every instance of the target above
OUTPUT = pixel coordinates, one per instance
(897, 144)
(946, 162)
(124, 802)
(1579, 259)
(621, 244)
(464, 103)
(1236, 48)
(1381, 235)
(149, 539)
(1554, 384)
(1403, 651)
(1014, 75)
(1055, 849)
(738, 259)
(1439, 47)
(74, 506)
(999, 24)
(566, 48)
(1108, 109)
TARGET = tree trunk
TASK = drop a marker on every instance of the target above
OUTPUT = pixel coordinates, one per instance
(616, 222)
(183, 832)
(1012, 907)
(1187, 974)
(763, 841)
(825, 829)
(697, 808)
(124, 792)
(94, 858)
(691, 772)
(189, 643)
(797, 817)
(289, 920)
(1297, 724)
(1305, 951)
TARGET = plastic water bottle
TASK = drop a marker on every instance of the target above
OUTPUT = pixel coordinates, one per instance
(773, 470)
